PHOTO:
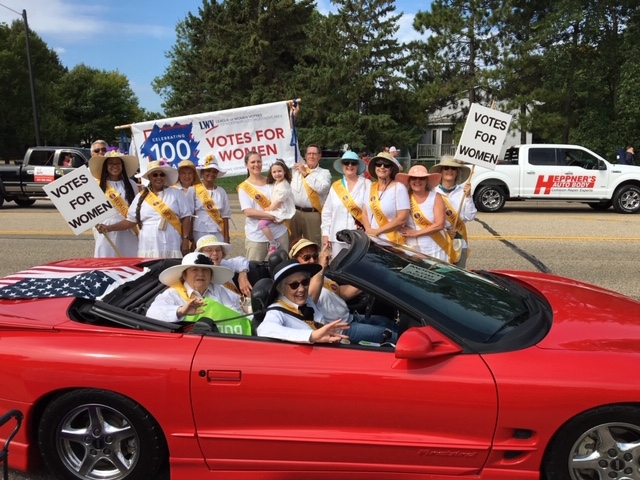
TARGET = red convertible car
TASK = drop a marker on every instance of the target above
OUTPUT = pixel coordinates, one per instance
(497, 375)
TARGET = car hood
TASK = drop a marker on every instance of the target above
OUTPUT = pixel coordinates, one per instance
(585, 317)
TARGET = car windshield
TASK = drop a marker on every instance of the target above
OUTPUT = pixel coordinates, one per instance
(474, 307)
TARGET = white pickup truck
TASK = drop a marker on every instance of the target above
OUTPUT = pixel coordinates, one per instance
(557, 172)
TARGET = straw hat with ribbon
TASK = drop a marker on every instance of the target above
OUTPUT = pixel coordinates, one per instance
(163, 165)
(130, 163)
(448, 161)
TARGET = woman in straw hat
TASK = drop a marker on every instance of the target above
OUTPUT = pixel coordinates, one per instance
(187, 176)
(424, 230)
(161, 214)
(113, 172)
(210, 202)
(457, 193)
(387, 208)
(191, 285)
(347, 196)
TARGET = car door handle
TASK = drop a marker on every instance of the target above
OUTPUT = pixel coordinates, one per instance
(531, 172)
(224, 376)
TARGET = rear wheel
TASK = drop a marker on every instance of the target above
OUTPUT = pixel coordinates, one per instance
(24, 202)
(489, 198)
(1, 200)
(600, 444)
(100, 435)
(600, 205)
(627, 199)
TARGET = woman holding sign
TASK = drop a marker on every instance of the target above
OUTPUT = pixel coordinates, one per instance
(459, 206)
(161, 214)
(113, 172)
(387, 208)
(254, 195)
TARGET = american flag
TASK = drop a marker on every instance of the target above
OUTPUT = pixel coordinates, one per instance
(55, 281)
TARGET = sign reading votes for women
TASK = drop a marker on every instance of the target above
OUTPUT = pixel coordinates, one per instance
(227, 134)
(78, 198)
(483, 136)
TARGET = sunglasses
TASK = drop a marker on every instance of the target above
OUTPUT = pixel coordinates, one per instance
(308, 256)
(98, 150)
(383, 165)
(157, 174)
(295, 285)
(449, 168)
(420, 179)
(350, 163)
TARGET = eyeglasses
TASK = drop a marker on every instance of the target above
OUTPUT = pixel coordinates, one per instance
(351, 163)
(157, 174)
(383, 165)
(313, 153)
(101, 149)
(308, 256)
(295, 285)
(449, 168)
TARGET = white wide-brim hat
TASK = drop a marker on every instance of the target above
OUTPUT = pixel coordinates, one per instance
(130, 163)
(463, 170)
(219, 275)
(170, 173)
(210, 162)
(212, 241)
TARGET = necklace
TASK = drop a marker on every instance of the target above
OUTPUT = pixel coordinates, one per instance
(381, 192)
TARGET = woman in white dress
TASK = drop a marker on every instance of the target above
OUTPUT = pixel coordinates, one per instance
(161, 214)
(387, 208)
(210, 202)
(345, 202)
(113, 172)
(254, 195)
(424, 230)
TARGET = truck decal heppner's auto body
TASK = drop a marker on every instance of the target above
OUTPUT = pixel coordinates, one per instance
(549, 182)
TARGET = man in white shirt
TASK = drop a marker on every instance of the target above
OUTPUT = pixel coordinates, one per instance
(310, 186)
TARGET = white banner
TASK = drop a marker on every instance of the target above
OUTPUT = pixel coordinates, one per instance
(78, 198)
(483, 136)
(227, 134)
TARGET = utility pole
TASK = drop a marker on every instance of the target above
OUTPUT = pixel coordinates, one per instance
(36, 122)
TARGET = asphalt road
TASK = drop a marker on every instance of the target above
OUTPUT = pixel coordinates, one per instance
(566, 239)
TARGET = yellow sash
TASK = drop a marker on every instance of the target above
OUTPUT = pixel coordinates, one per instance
(380, 217)
(331, 285)
(454, 218)
(119, 203)
(443, 241)
(296, 313)
(254, 193)
(209, 206)
(164, 210)
(313, 195)
(347, 200)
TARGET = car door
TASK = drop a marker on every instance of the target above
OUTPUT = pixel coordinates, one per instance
(584, 179)
(541, 174)
(262, 404)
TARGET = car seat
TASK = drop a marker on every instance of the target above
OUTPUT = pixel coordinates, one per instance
(260, 301)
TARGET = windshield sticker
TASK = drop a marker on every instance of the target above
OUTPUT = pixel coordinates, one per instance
(422, 273)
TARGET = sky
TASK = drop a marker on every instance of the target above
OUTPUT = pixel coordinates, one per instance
(132, 36)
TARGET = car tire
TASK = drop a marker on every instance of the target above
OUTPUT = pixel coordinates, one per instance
(1, 200)
(75, 445)
(489, 198)
(626, 199)
(599, 443)
(24, 202)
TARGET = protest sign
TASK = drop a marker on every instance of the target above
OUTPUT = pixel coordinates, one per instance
(227, 134)
(483, 136)
(78, 198)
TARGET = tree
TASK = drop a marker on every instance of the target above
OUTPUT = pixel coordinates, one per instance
(93, 102)
(16, 122)
(234, 53)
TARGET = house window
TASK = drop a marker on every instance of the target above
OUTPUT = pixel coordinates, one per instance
(434, 137)
(447, 137)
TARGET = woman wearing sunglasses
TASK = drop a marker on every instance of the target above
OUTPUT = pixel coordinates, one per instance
(387, 208)
(343, 207)
(161, 214)
(292, 315)
(459, 206)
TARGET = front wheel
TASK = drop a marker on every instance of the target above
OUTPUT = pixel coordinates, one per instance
(627, 199)
(601, 206)
(24, 202)
(489, 198)
(100, 435)
(600, 444)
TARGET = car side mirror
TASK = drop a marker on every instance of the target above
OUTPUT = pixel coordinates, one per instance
(602, 165)
(424, 342)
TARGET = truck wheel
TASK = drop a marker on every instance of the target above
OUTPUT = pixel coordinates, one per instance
(627, 199)
(24, 202)
(489, 198)
(600, 205)
(1, 200)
